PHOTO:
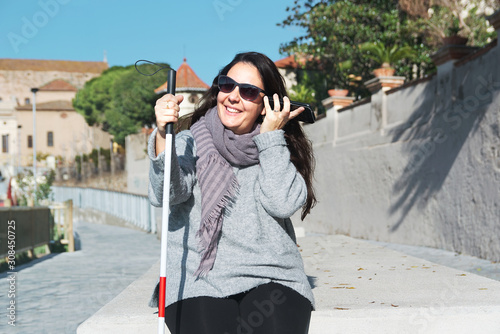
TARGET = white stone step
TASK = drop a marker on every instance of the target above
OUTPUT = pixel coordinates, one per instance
(359, 287)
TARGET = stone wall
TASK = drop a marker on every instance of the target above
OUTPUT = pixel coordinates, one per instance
(417, 165)
(137, 163)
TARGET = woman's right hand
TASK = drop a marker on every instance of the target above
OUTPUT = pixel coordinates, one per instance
(167, 111)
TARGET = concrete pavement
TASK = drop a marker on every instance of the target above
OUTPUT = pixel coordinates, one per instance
(360, 286)
(365, 287)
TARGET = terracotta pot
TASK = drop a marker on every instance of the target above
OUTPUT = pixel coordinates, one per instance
(338, 92)
(384, 72)
(455, 40)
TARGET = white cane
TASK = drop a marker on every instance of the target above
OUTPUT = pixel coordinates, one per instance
(169, 131)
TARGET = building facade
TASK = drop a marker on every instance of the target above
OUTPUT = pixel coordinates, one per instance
(60, 130)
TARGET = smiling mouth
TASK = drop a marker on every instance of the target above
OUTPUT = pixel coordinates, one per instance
(232, 110)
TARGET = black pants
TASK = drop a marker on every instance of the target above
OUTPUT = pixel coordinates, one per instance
(269, 309)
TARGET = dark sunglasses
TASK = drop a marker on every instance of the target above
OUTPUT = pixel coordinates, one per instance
(247, 91)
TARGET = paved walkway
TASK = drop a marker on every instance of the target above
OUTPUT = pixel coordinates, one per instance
(57, 293)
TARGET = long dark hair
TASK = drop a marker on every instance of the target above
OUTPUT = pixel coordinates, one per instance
(301, 154)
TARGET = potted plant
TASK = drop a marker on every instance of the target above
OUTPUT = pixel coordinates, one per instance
(451, 34)
(386, 56)
(338, 92)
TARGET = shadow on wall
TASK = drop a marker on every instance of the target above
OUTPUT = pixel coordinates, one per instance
(435, 134)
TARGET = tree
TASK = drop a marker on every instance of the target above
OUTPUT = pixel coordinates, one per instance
(442, 18)
(95, 98)
(335, 29)
(121, 99)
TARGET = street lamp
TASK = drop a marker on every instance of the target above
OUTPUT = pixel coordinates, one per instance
(18, 149)
(34, 90)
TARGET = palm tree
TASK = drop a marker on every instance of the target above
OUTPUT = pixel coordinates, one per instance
(386, 56)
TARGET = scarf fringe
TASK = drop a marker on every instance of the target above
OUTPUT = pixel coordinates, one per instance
(210, 222)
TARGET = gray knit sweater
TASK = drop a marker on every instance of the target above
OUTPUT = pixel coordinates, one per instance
(257, 244)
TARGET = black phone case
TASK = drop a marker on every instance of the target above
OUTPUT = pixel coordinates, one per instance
(307, 116)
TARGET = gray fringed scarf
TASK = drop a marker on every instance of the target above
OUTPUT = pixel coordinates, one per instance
(218, 149)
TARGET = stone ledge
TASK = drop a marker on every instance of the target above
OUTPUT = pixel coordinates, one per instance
(127, 313)
(359, 287)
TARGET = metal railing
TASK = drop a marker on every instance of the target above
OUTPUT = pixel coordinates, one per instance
(132, 208)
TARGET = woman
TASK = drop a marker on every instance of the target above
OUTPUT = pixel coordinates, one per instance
(237, 175)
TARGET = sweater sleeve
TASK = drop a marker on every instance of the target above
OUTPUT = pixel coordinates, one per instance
(183, 166)
(282, 189)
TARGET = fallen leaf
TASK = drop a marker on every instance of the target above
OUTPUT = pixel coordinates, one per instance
(361, 269)
(394, 305)
(483, 288)
(341, 308)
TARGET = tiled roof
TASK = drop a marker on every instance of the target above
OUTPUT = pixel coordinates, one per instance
(58, 85)
(185, 79)
(7, 64)
(291, 62)
(48, 106)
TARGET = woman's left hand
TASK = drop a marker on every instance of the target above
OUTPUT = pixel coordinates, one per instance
(276, 119)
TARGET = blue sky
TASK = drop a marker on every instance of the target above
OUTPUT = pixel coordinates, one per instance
(207, 32)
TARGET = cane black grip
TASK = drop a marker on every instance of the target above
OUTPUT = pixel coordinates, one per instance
(169, 129)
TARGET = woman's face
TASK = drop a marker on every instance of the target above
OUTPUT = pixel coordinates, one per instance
(236, 113)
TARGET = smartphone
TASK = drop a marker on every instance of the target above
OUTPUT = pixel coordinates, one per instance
(307, 116)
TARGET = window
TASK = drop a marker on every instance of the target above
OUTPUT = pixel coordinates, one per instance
(50, 139)
(27, 100)
(5, 143)
(30, 141)
(193, 98)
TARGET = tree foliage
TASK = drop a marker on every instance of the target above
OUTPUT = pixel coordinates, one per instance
(334, 31)
(441, 18)
(121, 99)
